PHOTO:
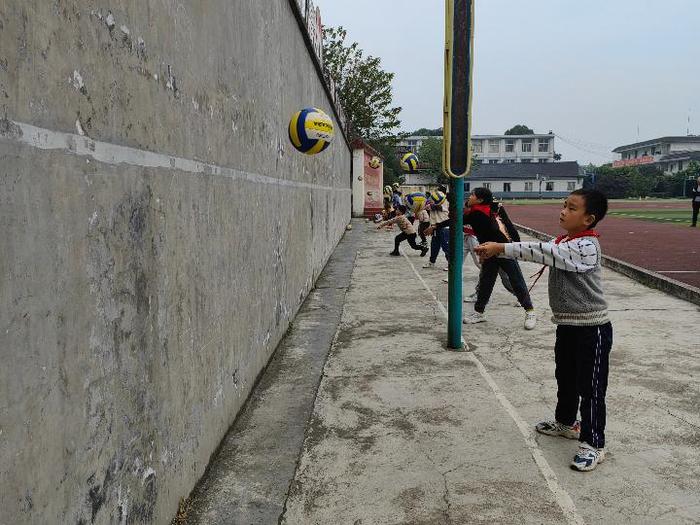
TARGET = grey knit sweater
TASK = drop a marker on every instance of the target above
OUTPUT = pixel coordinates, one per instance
(575, 288)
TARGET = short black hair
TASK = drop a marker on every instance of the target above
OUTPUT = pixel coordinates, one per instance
(596, 203)
(402, 208)
(484, 194)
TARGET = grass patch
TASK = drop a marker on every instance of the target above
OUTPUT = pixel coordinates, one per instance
(674, 216)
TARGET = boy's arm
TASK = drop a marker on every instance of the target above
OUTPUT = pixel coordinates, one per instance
(387, 223)
(579, 255)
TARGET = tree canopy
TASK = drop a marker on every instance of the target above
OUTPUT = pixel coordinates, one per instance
(430, 156)
(364, 88)
(425, 132)
(520, 129)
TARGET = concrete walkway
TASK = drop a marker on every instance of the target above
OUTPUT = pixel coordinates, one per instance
(403, 431)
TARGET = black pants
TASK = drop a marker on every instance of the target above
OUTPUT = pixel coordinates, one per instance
(421, 230)
(487, 279)
(411, 238)
(581, 354)
(696, 210)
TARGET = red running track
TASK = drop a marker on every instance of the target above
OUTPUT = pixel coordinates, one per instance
(673, 250)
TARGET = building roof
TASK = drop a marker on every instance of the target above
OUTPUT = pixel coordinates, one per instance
(526, 171)
(636, 145)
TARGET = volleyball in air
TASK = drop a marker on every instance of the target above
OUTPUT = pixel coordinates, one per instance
(311, 131)
(375, 162)
(437, 197)
(409, 162)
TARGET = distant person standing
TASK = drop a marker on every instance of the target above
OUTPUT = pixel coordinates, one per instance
(695, 194)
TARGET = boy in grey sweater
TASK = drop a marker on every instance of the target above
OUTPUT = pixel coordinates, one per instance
(579, 309)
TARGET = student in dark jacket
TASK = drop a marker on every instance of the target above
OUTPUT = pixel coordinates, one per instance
(695, 194)
(480, 215)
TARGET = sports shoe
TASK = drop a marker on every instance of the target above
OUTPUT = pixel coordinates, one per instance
(554, 428)
(470, 298)
(446, 269)
(429, 265)
(475, 317)
(446, 280)
(587, 458)
(424, 250)
(395, 254)
(530, 320)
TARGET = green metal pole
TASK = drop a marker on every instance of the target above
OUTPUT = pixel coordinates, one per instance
(459, 50)
(454, 336)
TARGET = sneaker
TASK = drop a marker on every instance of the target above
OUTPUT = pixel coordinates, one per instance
(423, 251)
(429, 265)
(587, 458)
(475, 317)
(446, 269)
(530, 320)
(395, 254)
(470, 298)
(554, 428)
(446, 280)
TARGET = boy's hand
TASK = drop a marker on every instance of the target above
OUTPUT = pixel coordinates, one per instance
(489, 249)
(429, 230)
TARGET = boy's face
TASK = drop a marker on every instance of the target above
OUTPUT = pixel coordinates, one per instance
(473, 200)
(573, 217)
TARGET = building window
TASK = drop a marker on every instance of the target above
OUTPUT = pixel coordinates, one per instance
(543, 145)
(466, 186)
(478, 146)
(550, 186)
(493, 161)
(570, 186)
(487, 185)
(477, 161)
(542, 161)
(510, 145)
(527, 146)
(526, 161)
(528, 186)
(494, 146)
(506, 187)
(509, 161)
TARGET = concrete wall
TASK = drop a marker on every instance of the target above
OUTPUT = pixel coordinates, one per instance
(159, 233)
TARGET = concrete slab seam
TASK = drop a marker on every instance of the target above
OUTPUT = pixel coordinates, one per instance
(114, 154)
(563, 498)
(281, 519)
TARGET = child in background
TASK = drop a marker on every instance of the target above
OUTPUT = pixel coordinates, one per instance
(423, 224)
(439, 228)
(480, 215)
(408, 232)
(584, 333)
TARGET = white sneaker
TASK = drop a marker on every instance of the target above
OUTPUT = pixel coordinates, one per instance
(429, 265)
(587, 458)
(470, 298)
(554, 428)
(475, 317)
(530, 320)
(446, 269)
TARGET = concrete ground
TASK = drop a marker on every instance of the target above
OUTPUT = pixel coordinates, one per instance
(403, 431)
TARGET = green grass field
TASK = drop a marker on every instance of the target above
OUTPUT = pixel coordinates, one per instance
(678, 216)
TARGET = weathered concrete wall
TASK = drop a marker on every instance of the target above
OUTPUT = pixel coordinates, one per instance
(141, 293)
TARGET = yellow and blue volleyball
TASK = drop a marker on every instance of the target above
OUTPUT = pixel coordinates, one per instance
(375, 162)
(409, 162)
(311, 131)
(437, 197)
(415, 201)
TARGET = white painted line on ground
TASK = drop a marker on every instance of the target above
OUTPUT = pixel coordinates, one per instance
(563, 498)
(105, 152)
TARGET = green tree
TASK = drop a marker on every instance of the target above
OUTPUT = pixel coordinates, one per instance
(364, 88)
(520, 129)
(430, 155)
(615, 183)
(425, 132)
(392, 169)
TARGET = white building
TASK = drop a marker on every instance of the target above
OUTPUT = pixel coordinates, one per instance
(551, 180)
(669, 154)
(499, 149)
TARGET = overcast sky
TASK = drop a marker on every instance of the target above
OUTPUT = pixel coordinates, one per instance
(593, 71)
